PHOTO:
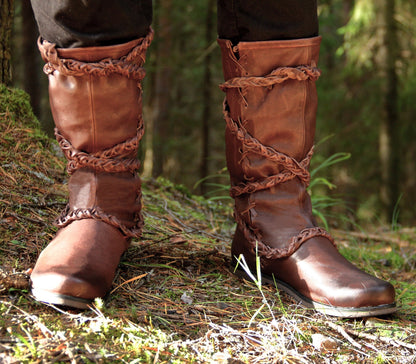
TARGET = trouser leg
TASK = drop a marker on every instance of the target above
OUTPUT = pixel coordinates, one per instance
(88, 23)
(77, 23)
(247, 20)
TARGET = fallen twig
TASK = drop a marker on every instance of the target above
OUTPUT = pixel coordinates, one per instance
(340, 330)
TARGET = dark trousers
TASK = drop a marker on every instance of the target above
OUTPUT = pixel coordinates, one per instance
(85, 23)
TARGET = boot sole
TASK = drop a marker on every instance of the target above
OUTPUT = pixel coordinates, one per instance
(337, 311)
(61, 300)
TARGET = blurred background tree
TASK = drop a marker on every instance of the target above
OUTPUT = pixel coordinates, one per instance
(6, 21)
(365, 95)
(367, 100)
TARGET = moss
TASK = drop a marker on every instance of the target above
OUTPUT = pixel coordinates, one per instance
(16, 103)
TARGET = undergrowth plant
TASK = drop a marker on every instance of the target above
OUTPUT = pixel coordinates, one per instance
(257, 281)
(321, 202)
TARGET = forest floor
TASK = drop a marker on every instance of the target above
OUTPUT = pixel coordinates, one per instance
(174, 299)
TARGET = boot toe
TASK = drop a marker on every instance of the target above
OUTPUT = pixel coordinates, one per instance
(79, 264)
(371, 293)
(67, 290)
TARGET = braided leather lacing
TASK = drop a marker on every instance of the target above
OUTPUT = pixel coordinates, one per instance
(130, 65)
(291, 168)
(68, 215)
(119, 158)
(110, 160)
(279, 75)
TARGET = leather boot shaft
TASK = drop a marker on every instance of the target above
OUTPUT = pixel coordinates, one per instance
(95, 96)
(270, 114)
(271, 106)
(95, 104)
(291, 103)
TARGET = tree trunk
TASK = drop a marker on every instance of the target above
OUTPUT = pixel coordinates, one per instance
(389, 130)
(207, 95)
(6, 22)
(30, 55)
(162, 96)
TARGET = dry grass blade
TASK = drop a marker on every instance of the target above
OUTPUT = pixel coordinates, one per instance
(128, 281)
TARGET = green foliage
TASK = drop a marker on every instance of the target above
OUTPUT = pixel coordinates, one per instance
(321, 201)
(361, 37)
(218, 190)
(352, 93)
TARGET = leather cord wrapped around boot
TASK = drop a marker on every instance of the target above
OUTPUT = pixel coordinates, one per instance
(270, 114)
(95, 96)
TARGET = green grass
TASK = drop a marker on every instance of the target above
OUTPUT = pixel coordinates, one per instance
(174, 299)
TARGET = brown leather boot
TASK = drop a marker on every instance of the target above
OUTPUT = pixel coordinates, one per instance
(95, 96)
(270, 113)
